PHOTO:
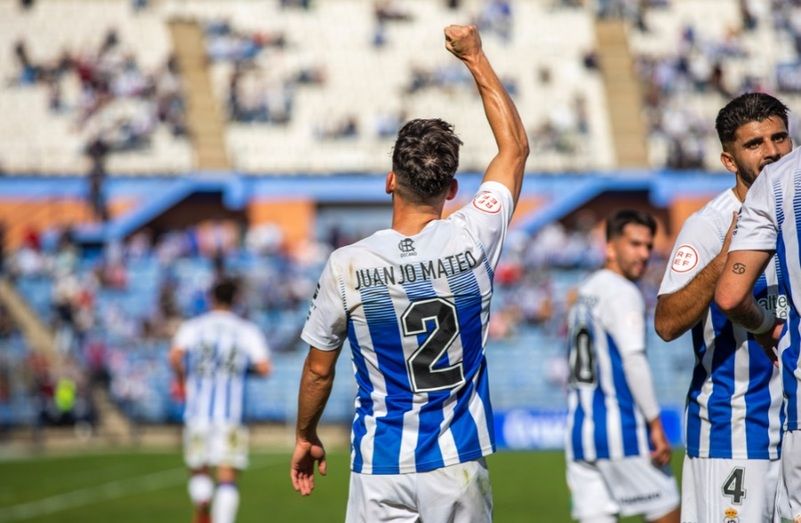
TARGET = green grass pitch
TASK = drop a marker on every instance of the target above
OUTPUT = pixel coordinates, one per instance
(147, 486)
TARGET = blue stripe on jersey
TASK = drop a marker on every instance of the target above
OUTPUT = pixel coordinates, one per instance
(467, 297)
(693, 408)
(578, 424)
(484, 394)
(427, 452)
(757, 397)
(719, 405)
(628, 420)
(385, 336)
(245, 395)
(757, 402)
(365, 407)
(600, 437)
(213, 378)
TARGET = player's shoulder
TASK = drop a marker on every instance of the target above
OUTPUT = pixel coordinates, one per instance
(609, 283)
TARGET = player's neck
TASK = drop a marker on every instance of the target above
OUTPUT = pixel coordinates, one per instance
(409, 219)
(740, 189)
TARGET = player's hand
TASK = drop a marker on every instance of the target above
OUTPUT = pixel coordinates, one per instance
(307, 452)
(770, 340)
(178, 391)
(463, 41)
(661, 453)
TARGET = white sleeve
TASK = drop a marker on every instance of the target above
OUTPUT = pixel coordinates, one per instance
(625, 320)
(696, 246)
(757, 229)
(184, 337)
(256, 345)
(627, 327)
(487, 217)
(326, 324)
(638, 376)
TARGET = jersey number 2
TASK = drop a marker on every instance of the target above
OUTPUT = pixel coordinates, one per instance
(420, 365)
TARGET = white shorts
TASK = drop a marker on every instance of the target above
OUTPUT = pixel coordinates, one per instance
(458, 492)
(788, 497)
(625, 487)
(717, 490)
(215, 446)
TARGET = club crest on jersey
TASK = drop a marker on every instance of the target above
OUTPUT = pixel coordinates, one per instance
(406, 247)
(730, 515)
(487, 202)
(685, 259)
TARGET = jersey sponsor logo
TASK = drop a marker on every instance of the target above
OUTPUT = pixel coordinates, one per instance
(775, 303)
(487, 202)
(685, 259)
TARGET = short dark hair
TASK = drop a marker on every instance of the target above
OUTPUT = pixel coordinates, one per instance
(224, 291)
(618, 221)
(425, 158)
(748, 107)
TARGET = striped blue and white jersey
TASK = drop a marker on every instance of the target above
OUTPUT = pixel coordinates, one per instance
(218, 349)
(734, 402)
(606, 323)
(415, 311)
(770, 220)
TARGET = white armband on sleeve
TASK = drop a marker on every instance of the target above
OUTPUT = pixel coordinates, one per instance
(638, 376)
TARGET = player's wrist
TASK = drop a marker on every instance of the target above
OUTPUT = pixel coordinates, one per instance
(767, 323)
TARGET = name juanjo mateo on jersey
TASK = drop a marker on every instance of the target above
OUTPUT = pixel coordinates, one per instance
(411, 272)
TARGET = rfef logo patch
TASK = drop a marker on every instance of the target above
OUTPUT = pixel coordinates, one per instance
(685, 259)
(487, 202)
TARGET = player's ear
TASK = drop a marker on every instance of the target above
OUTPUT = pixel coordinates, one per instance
(610, 252)
(390, 183)
(452, 189)
(728, 162)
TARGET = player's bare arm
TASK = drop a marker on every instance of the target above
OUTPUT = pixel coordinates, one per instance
(315, 387)
(661, 448)
(734, 297)
(177, 364)
(678, 312)
(508, 165)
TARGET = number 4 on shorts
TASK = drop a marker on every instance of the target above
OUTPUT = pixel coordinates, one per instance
(733, 486)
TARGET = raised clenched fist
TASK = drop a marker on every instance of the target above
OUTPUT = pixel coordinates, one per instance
(463, 41)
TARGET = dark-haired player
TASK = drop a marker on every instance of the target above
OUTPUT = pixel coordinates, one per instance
(414, 303)
(617, 453)
(211, 355)
(733, 427)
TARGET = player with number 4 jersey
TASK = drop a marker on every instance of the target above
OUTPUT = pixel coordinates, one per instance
(733, 417)
(414, 303)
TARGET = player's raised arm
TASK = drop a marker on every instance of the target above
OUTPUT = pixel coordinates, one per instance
(508, 165)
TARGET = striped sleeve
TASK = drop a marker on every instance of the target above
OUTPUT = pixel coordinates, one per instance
(757, 229)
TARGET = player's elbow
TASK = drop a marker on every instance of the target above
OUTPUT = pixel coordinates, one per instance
(729, 299)
(320, 372)
(664, 329)
(663, 325)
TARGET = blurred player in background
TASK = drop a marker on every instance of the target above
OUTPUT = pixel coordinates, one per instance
(612, 407)
(414, 302)
(770, 222)
(735, 398)
(210, 356)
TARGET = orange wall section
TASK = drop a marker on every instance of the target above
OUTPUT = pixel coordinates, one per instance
(294, 217)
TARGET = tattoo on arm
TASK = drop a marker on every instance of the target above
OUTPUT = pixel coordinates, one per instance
(738, 268)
